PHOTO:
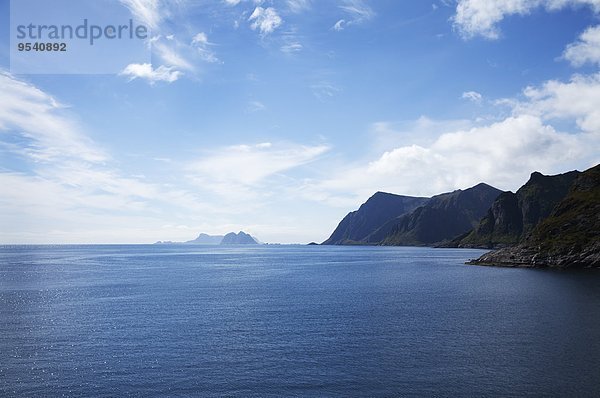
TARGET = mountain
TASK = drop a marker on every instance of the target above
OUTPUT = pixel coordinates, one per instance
(404, 220)
(373, 214)
(443, 217)
(232, 238)
(568, 238)
(204, 239)
(513, 216)
(241, 238)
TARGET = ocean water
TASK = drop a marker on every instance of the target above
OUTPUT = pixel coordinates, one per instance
(272, 321)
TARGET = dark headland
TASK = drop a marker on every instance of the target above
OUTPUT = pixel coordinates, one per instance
(569, 237)
(551, 221)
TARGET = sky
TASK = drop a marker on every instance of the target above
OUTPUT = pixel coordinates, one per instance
(278, 117)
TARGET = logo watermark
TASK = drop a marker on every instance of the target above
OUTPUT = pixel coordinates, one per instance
(75, 37)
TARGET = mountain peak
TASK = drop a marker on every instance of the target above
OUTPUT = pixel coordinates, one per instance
(482, 185)
(568, 236)
(387, 218)
(513, 216)
(241, 238)
(380, 208)
(535, 174)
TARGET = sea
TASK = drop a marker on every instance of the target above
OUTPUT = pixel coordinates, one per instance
(291, 321)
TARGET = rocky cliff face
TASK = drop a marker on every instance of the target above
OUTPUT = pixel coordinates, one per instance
(358, 225)
(513, 216)
(402, 220)
(568, 238)
(443, 217)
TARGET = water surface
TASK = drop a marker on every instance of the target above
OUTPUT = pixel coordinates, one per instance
(155, 321)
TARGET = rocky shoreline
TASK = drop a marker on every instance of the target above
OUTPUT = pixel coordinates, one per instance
(523, 256)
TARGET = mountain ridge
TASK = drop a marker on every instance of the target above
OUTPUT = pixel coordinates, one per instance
(443, 217)
(371, 215)
(567, 238)
(513, 216)
(389, 219)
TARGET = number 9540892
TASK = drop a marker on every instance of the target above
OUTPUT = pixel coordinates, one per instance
(42, 46)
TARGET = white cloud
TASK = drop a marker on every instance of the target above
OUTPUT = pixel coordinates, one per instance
(586, 49)
(232, 2)
(501, 154)
(250, 164)
(147, 72)
(480, 17)
(266, 20)
(473, 96)
(578, 100)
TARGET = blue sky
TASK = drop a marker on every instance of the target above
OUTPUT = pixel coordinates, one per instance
(278, 117)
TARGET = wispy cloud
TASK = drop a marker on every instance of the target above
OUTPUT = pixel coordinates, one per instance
(325, 91)
(203, 47)
(358, 8)
(176, 50)
(251, 164)
(41, 120)
(169, 52)
(255, 106)
(291, 48)
(70, 185)
(357, 11)
(146, 11)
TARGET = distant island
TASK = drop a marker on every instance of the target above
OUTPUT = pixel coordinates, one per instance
(241, 238)
(551, 221)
